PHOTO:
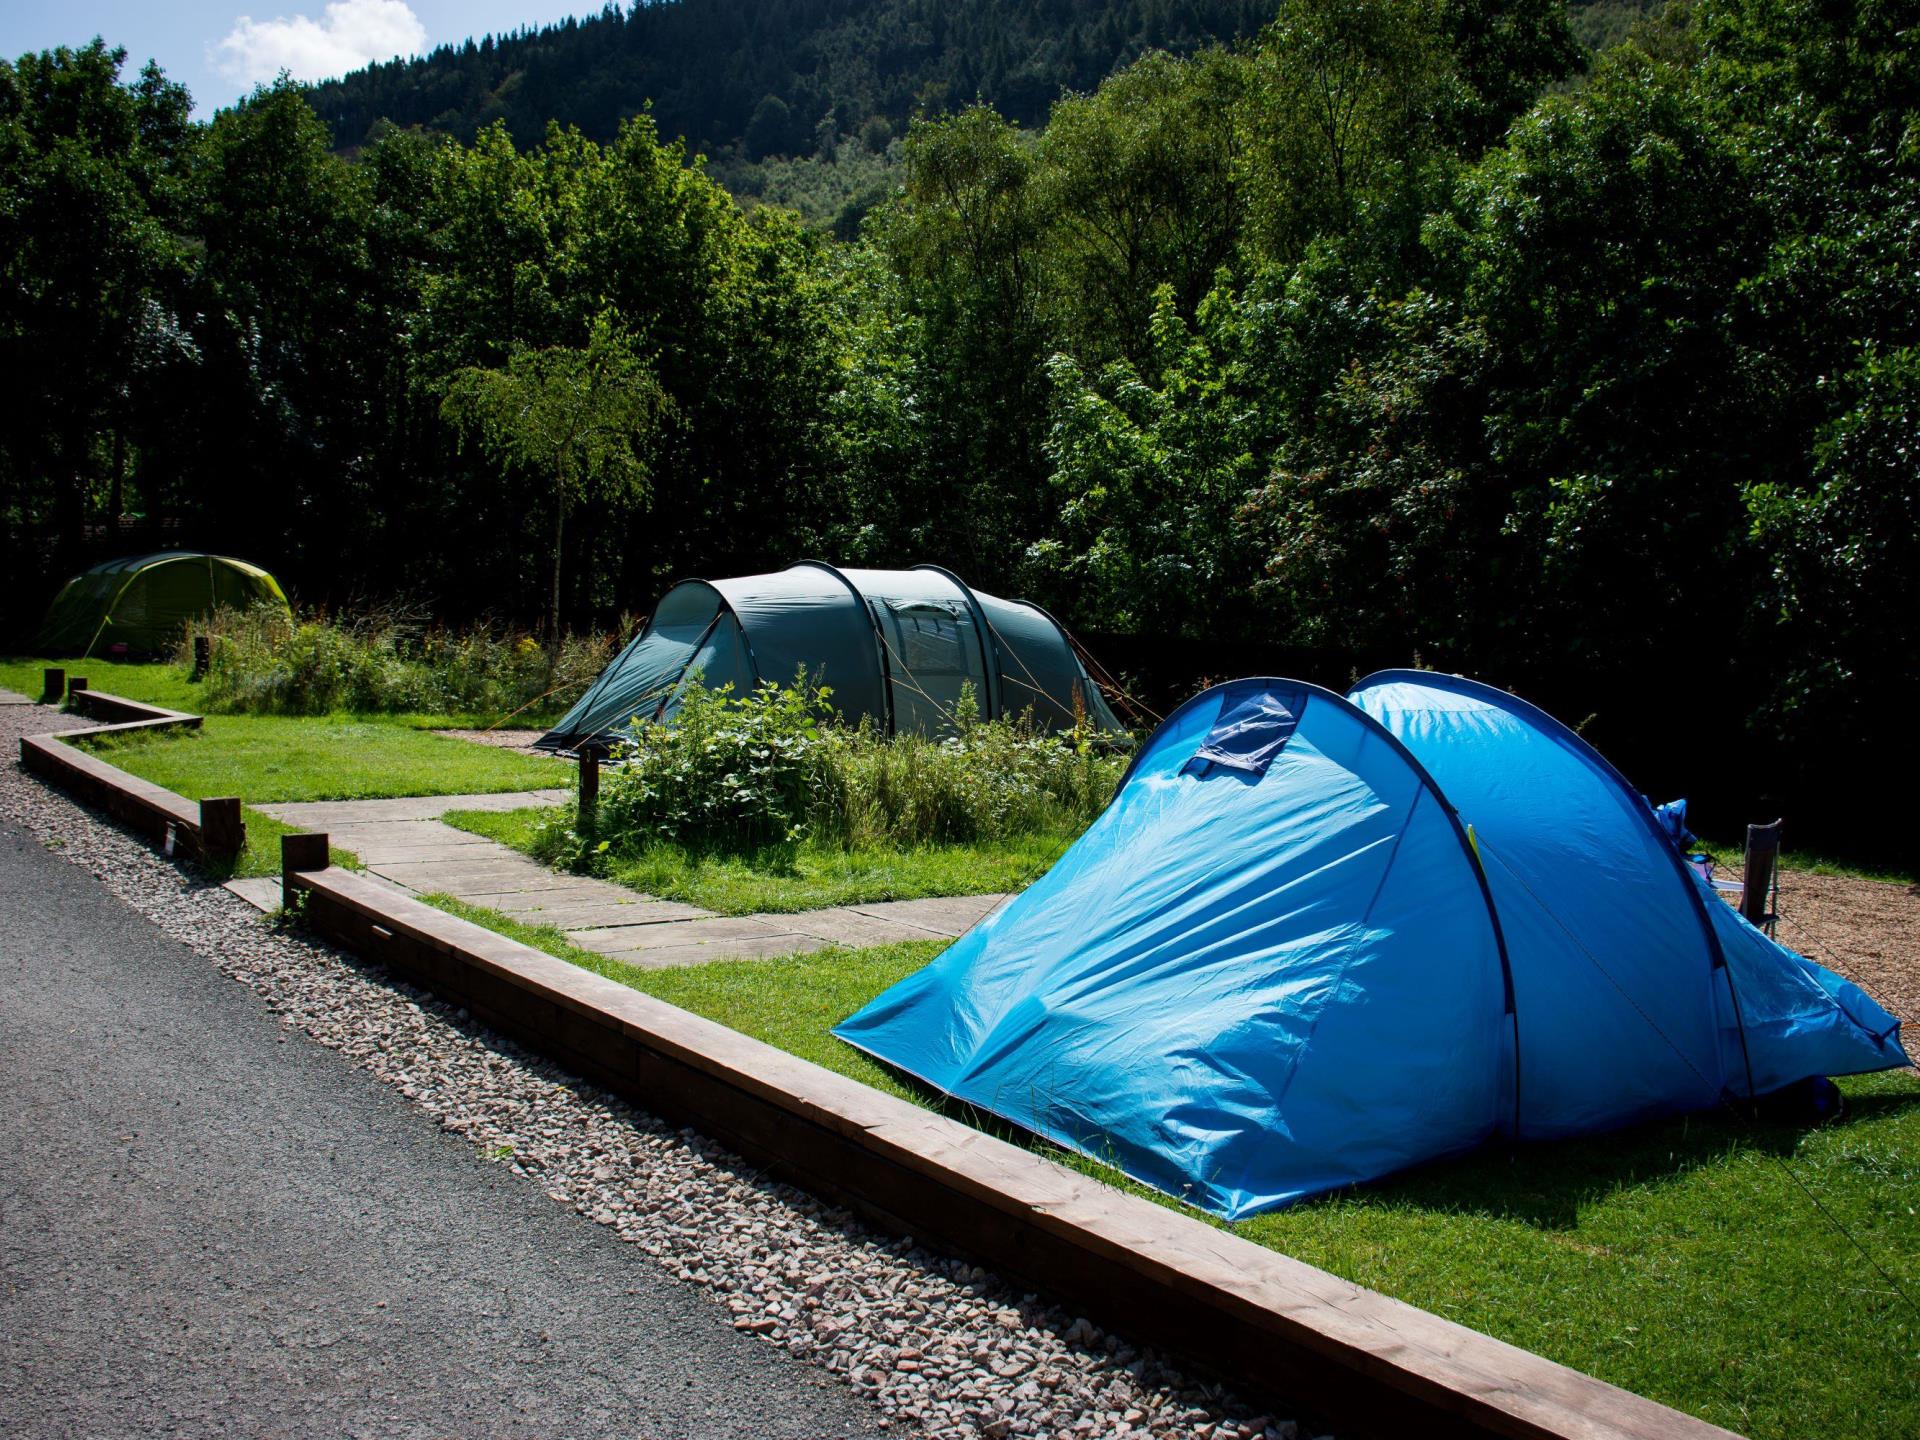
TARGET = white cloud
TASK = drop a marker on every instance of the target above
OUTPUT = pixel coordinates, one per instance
(348, 34)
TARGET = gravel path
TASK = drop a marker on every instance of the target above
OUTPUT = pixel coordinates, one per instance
(942, 1348)
(502, 739)
(1866, 930)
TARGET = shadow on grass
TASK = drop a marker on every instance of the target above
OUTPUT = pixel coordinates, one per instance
(1544, 1184)
(1540, 1184)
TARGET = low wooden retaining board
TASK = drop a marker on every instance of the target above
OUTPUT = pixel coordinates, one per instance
(1272, 1326)
(211, 828)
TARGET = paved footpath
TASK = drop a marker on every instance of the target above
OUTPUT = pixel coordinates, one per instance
(253, 1237)
(405, 843)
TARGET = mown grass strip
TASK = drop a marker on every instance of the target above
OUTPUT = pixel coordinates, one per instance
(806, 877)
(270, 759)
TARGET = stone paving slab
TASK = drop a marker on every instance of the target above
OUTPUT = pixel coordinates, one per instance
(321, 814)
(945, 915)
(601, 915)
(720, 930)
(470, 881)
(669, 957)
(578, 891)
(393, 854)
(843, 926)
(405, 833)
(260, 891)
(403, 843)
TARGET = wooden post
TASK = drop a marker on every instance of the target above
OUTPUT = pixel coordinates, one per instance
(75, 684)
(297, 853)
(1763, 855)
(54, 687)
(202, 656)
(589, 781)
(223, 834)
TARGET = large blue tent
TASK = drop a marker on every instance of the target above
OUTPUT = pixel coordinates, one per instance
(1316, 939)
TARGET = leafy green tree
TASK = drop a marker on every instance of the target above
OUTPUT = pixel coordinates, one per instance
(1150, 466)
(575, 417)
(1142, 188)
(1846, 566)
(294, 338)
(964, 239)
(1506, 52)
(770, 131)
(1347, 114)
(91, 258)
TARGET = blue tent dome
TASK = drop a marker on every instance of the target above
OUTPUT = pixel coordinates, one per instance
(1315, 939)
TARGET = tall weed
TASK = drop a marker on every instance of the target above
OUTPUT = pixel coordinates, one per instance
(266, 661)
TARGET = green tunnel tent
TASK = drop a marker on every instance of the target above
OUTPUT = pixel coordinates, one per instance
(144, 601)
(894, 646)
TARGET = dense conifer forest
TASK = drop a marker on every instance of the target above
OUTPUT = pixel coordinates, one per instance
(782, 76)
(1399, 330)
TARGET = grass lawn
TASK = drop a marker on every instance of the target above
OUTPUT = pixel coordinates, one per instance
(1682, 1260)
(265, 759)
(157, 684)
(811, 878)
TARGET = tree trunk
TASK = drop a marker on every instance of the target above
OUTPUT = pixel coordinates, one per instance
(117, 506)
(70, 513)
(553, 595)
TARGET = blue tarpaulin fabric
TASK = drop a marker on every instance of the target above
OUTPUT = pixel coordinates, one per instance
(1296, 965)
(1612, 936)
(1228, 986)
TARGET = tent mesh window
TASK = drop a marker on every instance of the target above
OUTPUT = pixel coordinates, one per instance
(930, 639)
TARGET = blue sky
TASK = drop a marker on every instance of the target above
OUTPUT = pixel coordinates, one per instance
(219, 49)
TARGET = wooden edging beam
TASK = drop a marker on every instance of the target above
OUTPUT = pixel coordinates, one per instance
(1272, 1326)
(210, 828)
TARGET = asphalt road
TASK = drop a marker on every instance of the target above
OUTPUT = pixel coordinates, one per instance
(208, 1227)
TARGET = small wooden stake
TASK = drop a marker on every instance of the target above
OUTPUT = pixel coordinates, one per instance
(297, 853)
(1763, 854)
(589, 781)
(55, 686)
(223, 834)
(75, 684)
(202, 657)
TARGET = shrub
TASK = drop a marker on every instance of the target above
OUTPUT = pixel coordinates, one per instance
(988, 780)
(265, 661)
(731, 772)
(771, 769)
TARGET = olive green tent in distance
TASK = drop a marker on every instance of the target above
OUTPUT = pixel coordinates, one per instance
(895, 647)
(144, 601)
